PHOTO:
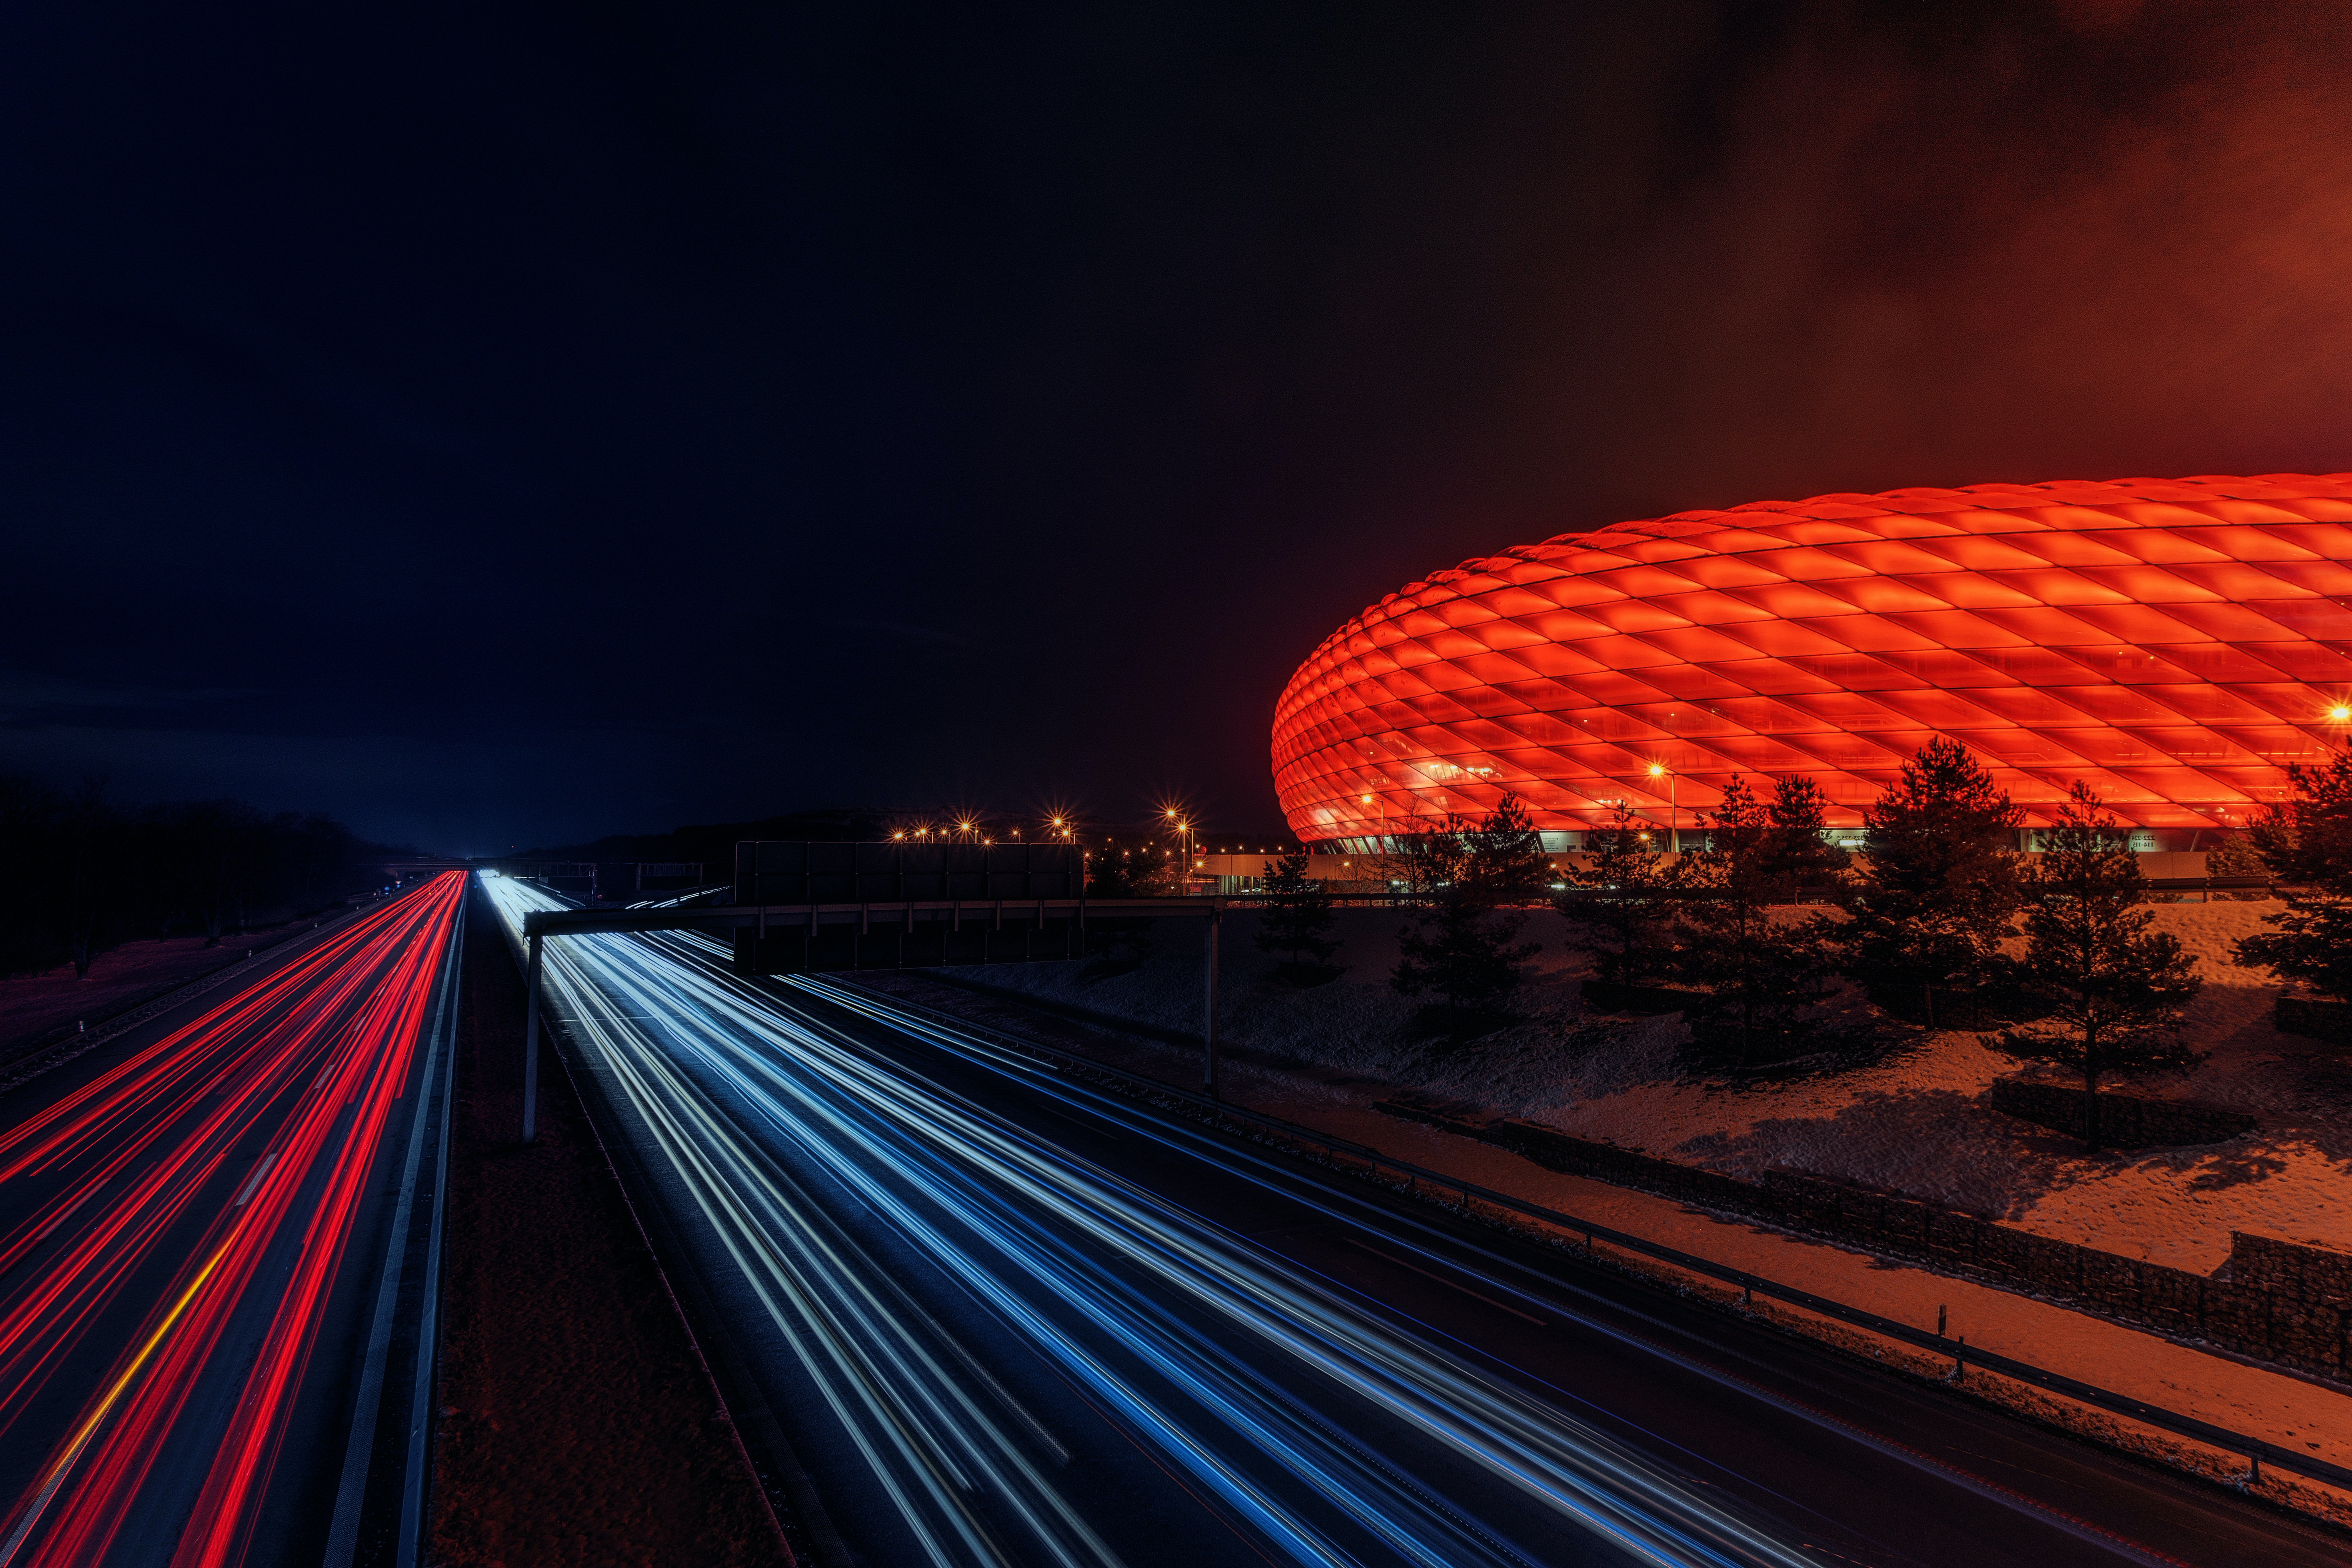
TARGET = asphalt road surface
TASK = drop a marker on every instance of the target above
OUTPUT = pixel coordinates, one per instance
(997, 1315)
(215, 1263)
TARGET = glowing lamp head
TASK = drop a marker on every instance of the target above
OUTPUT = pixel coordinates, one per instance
(1658, 770)
(2340, 713)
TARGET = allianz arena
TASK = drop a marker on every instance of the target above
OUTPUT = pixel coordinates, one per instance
(2175, 642)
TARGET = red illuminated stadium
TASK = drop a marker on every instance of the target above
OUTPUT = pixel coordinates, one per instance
(2175, 642)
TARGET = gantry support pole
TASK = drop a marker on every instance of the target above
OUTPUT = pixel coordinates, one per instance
(530, 1047)
(1209, 1008)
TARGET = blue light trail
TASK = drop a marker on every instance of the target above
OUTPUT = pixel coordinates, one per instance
(1318, 1426)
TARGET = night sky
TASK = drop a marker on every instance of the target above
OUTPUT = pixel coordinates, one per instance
(507, 426)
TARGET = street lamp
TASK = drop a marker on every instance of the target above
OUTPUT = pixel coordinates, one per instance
(1674, 828)
(1184, 860)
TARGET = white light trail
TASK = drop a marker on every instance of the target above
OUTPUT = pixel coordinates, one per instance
(1243, 1369)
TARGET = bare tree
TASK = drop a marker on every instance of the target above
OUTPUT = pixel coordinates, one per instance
(80, 871)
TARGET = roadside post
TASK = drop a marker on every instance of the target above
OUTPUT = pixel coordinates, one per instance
(531, 1047)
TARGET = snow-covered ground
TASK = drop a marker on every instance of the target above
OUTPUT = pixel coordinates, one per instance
(1915, 1125)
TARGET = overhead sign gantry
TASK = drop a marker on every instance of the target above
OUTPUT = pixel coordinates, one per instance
(888, 906)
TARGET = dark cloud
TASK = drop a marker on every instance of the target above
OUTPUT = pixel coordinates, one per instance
(500, 425)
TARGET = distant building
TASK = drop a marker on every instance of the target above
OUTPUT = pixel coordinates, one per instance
(2175, 642)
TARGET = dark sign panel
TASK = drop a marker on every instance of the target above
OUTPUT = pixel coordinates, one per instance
(769, 872)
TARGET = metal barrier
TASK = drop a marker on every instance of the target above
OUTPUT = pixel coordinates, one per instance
(2255, 1449)
(2208, 884)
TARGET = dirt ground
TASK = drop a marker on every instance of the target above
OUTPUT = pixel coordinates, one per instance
(578, 1425)
(120, 978)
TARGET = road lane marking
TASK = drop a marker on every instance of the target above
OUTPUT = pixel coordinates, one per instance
(1440, 1278)
(254, 1180)
(1075, 1122)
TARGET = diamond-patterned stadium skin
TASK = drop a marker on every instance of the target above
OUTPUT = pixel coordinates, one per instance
(2175, 642)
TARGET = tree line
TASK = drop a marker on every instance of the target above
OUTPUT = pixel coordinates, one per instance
(1942, 921)
(82, 871)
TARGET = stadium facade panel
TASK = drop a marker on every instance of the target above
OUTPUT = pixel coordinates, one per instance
(2175, 642)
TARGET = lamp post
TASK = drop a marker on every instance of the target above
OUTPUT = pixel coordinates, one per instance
(1673, 820)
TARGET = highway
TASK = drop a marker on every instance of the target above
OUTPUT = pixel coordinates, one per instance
(1003, 1317)
(214, 1260)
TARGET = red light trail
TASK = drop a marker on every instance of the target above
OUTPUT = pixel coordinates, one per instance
(226, 1162)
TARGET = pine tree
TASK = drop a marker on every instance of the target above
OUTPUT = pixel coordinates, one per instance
(2115, 988)
(1507, 858)
(1113, 873)
(1799, 856)
(1939, 888)
(2237, 857)
(2307, 844)
(1619, 903)
(1762, 971)
(1463, 884)
(1298, 913)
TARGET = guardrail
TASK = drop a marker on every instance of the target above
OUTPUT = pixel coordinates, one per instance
(55, 1046)
(2211, 884)
(2257, 1451)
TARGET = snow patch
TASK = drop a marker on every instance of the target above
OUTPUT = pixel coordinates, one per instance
(1915, 1125)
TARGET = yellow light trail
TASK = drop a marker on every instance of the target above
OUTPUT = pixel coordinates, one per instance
(104, 1407)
